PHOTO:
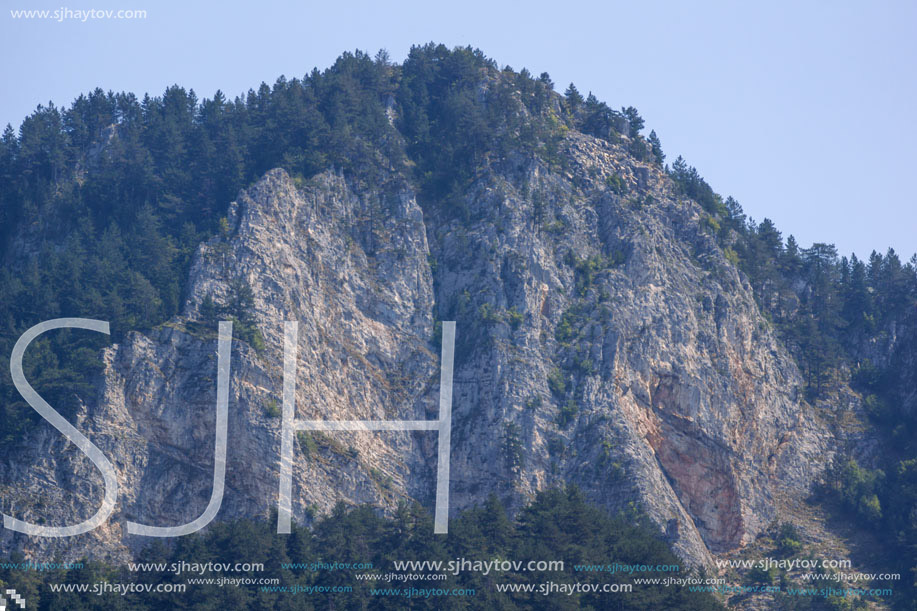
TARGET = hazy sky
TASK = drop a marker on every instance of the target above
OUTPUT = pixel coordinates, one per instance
(803, 111)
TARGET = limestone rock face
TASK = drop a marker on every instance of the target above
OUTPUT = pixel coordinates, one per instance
(603, 339)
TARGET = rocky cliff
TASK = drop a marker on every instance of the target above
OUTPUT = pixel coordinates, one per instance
(603, 339)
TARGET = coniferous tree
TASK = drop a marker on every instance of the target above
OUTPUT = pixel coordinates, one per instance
(656, 147)
(573, 96)
(634, 121)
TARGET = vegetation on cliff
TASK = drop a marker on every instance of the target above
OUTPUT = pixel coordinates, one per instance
(103, 203)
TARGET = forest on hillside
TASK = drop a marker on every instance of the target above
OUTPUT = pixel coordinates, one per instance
(559, 525)
(103, 203)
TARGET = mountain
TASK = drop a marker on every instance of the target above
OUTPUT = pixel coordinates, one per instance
(619, 326)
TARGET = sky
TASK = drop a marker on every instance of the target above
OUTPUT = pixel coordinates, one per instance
(803, 111)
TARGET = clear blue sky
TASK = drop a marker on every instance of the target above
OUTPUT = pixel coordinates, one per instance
(804, 111)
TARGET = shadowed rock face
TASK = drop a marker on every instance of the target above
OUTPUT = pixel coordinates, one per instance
(603, 339)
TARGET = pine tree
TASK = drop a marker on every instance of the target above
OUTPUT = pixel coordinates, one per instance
(656, 147)
(634, 121)
(573, 96)
(383, 58)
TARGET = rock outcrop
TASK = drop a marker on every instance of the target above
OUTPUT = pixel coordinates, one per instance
(603, 339)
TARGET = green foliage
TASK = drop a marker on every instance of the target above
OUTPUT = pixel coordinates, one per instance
(585, 270)
(567, 413)
(638, 148)
(585, 366)
(514, 317)
(116, 193)
(239, 309)
(452, 130)
(869, 507)
(598, 119)
(557, 525)
(209, 311)
(556, 382)
(307, 443)
(855, 487)
(513, 455)
(634, 121)
(878, 408)
(788, 539)
(272, 410)
(316, 443)
(616, 184)
(691, 184)
(437, 339)
(656, 148)
(711, 223)
(489, 314)
(760, 575)
(568, 327)
(573, 96)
